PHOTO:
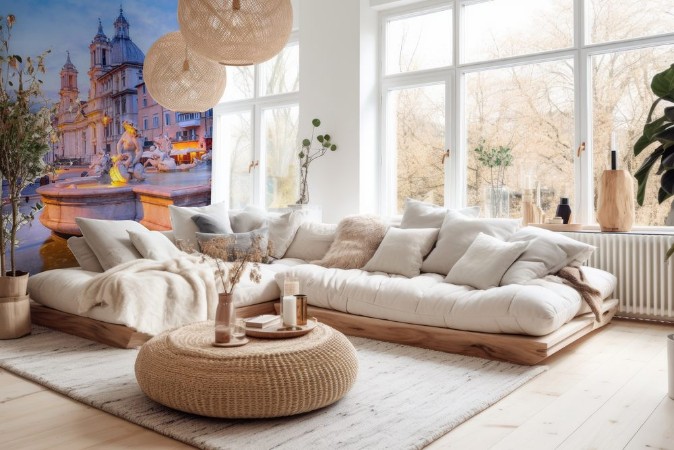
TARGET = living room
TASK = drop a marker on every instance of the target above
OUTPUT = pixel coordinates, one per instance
(375, 139)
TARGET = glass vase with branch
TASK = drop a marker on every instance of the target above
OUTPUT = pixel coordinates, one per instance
(497, 160)
(308, 154)
(232, 259)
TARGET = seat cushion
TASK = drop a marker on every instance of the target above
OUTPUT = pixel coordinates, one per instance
(532, 309)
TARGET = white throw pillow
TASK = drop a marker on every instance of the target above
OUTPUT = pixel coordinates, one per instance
(109, 240)
(402, 251)
(485, 262)
(154, 245)
(548, 253)
(85, 257)
(427, 215)
(184, 228)
(311, 241)
(249, 219)
(457, 234)
(282, 229)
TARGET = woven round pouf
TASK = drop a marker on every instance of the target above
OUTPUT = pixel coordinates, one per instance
(264, 378)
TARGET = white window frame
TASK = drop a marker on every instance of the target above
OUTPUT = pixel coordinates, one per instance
(255, 105)
(454, 76)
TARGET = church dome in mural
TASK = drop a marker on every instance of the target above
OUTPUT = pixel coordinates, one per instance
(123, 48)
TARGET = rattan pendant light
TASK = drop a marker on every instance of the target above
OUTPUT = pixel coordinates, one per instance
(179, 79)
(236, 32)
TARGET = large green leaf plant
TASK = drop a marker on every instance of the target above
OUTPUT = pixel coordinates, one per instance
(658, 130)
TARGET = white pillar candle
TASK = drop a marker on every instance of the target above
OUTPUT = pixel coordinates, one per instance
(289, 311)
(291, 286)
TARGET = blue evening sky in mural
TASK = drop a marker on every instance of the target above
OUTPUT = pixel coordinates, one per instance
(62, 25)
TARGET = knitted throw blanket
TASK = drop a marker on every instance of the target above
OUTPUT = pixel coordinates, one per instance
(573, 276)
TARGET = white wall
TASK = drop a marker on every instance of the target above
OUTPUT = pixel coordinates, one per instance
(338, 74)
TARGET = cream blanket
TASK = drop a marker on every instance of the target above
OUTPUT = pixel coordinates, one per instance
(153, 296)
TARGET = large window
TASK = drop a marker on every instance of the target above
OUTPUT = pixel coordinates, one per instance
(256, 132)
(497, 98)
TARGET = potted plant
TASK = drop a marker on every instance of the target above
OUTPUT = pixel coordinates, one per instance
(659, 130)
(25, 129)
(497, 160)
(308, 154)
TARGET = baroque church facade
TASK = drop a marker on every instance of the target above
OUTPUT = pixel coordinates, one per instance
(87, 127)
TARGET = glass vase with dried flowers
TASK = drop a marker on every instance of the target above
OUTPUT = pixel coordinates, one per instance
(233, 256)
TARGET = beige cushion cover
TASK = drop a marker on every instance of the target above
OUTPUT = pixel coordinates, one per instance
(282, 229)
(85, 257)
(456, 235)
(185, 229)
(154, 245)
(109, 240)
(485, 262)
(249, 219)
(356, 241)
(312, 241)
(402, 251)
(419, 214)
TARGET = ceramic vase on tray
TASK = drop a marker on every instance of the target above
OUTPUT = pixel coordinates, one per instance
(225, 319)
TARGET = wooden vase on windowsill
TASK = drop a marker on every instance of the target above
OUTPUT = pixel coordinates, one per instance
(615, 211)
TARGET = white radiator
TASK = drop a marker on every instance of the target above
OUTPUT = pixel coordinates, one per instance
(645, 280)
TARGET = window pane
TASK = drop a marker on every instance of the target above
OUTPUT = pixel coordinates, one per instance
(280, 74)
(240, 81)
(613, 20)
(236, 132)
(621, 100)
(529, 110)
(503, 28)
(416, 139)
(419, 42)
(279, 127)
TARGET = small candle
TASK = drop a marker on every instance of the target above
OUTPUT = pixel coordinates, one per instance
(289, 311)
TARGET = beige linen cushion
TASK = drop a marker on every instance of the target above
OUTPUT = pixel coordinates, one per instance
(402, 251)
(419, 214)
(154, 245)
(185, 229)
(312, 241)
(109, 240)
(282, 229)
(356, 241)
(548, 252)
(457, 234)
(485, 262)
(249, 219)
(85, 257)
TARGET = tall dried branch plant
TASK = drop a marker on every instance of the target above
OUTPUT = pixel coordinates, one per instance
(25, 131)
(307, 155)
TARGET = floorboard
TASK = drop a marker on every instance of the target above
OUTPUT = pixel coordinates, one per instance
(607, 391)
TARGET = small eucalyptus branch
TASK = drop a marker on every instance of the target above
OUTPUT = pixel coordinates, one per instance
(307, 155)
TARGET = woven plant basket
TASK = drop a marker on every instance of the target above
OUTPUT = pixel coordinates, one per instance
(179, 79)
(251, 34)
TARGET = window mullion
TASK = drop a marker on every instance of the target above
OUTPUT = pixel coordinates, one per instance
(454, 115)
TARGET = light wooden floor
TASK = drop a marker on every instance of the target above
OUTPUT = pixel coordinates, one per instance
(608, 392)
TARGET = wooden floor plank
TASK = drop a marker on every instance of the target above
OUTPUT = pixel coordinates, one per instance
(658, 431)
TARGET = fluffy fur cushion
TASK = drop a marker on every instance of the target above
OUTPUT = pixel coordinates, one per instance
(356, 241)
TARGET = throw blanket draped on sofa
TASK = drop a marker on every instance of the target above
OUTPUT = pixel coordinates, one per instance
(153, 296)
(573, 276)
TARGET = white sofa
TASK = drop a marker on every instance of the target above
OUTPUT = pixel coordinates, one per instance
(424, 303)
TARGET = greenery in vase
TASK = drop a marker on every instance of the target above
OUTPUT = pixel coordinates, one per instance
(308, 154)
(25, 131)
(497, 160)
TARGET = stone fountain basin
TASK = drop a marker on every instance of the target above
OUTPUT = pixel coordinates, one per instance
(84, 197)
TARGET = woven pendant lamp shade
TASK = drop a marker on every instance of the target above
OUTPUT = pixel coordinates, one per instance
(236, 32)
(180, 79)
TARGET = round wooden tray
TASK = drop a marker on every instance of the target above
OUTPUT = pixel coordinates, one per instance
(278, 333)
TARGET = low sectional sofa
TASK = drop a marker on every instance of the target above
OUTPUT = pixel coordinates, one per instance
(439, 279)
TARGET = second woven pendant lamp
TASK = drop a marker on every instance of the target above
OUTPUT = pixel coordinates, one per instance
(236, 32)
(179, 79)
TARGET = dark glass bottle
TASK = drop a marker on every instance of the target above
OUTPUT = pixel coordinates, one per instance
(564, 209)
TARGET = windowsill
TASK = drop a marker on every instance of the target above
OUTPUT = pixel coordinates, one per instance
(641, 229)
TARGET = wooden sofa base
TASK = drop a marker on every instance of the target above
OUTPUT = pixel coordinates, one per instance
(111, 334)
(528, 350)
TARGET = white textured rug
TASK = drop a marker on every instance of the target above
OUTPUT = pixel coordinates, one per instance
(405, 397)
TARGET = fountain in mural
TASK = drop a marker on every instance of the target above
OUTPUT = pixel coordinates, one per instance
(119, 187)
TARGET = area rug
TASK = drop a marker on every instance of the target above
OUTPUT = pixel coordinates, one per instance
(404, 398)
